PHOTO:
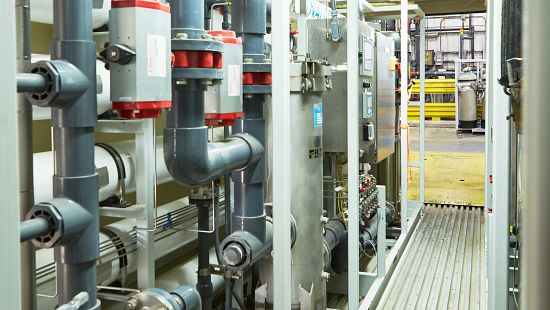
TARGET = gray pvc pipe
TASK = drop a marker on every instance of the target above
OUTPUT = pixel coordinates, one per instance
(29, 82)
(73, 140)
(249, 225)
(249, 21)
(31, 229)
(189, 157)
(335, 232)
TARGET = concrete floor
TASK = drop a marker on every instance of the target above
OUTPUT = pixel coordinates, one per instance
(455, 166)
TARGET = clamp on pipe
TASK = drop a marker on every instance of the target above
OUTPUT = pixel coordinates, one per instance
(66, 219)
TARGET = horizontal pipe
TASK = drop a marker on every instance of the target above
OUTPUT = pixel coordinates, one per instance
(103, 88)
(167, 242)
(33, 228)
(192, 160)
(42, 12)
(43, 170)
(30, 83)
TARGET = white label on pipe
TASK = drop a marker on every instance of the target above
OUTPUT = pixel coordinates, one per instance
(234, 80)
(156, 55)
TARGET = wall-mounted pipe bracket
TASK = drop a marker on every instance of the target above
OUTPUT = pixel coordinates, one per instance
(66, 220)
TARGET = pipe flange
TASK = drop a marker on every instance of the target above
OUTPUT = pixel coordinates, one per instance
(197, 45)
(257, 89)
(64, 83)
(214, 75)
(256, 67)
(55, 220)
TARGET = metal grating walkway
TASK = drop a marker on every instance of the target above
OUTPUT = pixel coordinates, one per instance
(444, 265)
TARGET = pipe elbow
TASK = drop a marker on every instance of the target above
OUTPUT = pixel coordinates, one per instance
(191, 160)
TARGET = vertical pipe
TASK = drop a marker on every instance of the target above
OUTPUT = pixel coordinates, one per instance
(73, 142)
(498, 217)
(472, 36)
(9, 165)
(249, 214)
(281, 159)
(353, 153)
(187, 14)
(404, 121)
(204, 279)
(422, 63)
(227, 192)
(24, 145)
(535, 286)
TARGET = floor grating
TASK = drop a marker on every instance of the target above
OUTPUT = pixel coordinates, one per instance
(443, 266)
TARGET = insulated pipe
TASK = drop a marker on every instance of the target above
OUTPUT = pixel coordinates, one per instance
(43, 169)
(42, 12)
(166, 243)
(73, 143)
(24, 148)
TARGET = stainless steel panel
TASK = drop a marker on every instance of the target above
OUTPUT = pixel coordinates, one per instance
(307, 197)
(385, 97)
(335, 100)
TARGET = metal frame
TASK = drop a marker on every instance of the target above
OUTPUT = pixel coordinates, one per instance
(498, 159)
(411, 209)
(145, 210)
(281, 159)
(9, 228)
(353, 153)
(534, 282)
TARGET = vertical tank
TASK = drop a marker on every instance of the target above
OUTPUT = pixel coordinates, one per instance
(467, 100)
(308, 286)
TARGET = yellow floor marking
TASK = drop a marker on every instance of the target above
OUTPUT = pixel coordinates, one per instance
(451, 178)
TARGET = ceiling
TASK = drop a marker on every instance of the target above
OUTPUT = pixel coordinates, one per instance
(440, 7)
(437, 7)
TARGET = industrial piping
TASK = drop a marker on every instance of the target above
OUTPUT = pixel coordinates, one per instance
(73, 141)
(189, 157)
(251, 236)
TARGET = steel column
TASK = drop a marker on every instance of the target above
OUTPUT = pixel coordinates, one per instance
(535, 285)
(24, 145)
(422, 109)
(281, 159)
(353, 153)
(146, 178)
(404, 115)
(9, 165)
(498, 217)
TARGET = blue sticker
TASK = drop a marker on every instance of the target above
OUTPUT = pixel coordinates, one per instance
(318, 115)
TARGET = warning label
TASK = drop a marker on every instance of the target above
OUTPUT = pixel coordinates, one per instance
(156, 55)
